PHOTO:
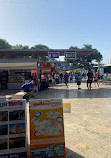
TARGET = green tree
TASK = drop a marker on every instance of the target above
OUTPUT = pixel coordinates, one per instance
(73, 47)
(4, 44)
(76, 71)
(86, 61)
(87, 46)
(97, 56)
(40, 47)
(25, 47)
(20, 46)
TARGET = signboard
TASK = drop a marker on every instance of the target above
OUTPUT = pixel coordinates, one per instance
(53, 54)
(70, 54)
(58, 64)
(33, 72)
(12, 128)
(101, 69)
(46, 71)
(42, 77)
(46, 68)
(46, 129)
(66, 107)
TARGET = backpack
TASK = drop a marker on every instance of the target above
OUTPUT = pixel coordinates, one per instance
(23, 86)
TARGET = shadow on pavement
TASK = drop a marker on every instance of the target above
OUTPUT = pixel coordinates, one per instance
(95, 93)
(69, 153)
(72, 154)
(74, 93)
(60, 91)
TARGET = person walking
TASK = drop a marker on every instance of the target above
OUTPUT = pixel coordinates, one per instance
(105, 78)
(66, 78)
(79, 78)
(71, 77)
(102, 79)
(96, 79)
(99, 77)
(90, 79)
(61, 76)
(53, 80)
(76, 75)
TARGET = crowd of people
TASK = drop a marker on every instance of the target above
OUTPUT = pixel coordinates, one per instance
(66, 77)
(96, 77)
(91, 78)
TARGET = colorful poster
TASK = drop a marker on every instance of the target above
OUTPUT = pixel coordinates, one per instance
(13, 128)
(46, 129)
(66, 108)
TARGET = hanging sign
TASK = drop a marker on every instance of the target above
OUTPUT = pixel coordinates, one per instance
(53, 54)
(70, 54)
(58, 64)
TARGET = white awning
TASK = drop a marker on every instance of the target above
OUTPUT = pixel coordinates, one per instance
(13, 66)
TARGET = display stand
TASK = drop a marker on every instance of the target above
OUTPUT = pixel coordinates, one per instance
(47, 129)
(13, 142)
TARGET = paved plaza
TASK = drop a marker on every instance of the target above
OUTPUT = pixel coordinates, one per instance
(88, 126)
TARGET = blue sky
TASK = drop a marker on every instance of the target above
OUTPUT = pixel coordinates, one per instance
(57, 23)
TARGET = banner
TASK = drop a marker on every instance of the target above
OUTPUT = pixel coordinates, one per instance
(70, 55)
(12, 128)
(33, 72)
(53, 54)
(46, 129)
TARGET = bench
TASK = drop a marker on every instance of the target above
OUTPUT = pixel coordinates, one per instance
(20, 95)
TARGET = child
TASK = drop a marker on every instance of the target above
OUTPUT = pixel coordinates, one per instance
(102, 78)
(79, 78)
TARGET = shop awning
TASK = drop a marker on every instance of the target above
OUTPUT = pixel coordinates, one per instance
(10, 66)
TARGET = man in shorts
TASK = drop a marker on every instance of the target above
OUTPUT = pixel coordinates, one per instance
(90, 79)
(79, 78)
(66, 79)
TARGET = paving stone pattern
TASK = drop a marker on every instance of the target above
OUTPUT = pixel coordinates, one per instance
(88, 126)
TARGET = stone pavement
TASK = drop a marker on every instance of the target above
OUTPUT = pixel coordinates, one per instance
(88, 126)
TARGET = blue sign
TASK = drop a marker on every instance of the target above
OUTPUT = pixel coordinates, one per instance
(58, 64)
(53, 54)
(70, 55)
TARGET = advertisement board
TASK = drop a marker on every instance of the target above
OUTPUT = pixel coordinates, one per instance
(101, 69)
(13, 128)
(33, 72)
(46, 129)
(53, 54)
(70, 54)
